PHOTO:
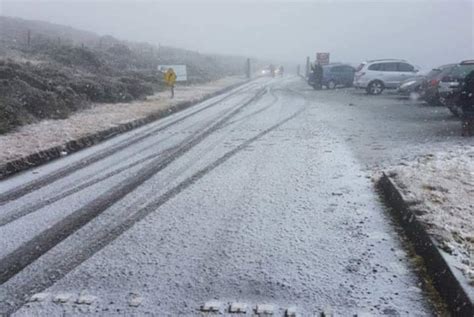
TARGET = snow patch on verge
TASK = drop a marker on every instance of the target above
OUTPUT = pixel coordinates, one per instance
(439, 189)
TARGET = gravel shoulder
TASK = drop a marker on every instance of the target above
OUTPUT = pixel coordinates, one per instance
(438, 189)
(46, 134)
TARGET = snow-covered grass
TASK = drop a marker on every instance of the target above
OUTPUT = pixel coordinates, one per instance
(40, 136)
(440, 191)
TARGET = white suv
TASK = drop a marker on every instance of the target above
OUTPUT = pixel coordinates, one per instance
(377, 75)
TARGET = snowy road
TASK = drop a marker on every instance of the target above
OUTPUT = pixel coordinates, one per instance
(260, 196)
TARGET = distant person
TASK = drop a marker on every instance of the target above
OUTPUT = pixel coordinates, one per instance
(281, 70)
(170, 79)
(317, 75)
(466, 101)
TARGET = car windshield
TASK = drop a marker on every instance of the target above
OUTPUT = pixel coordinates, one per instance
(236, 158)
(461, 71)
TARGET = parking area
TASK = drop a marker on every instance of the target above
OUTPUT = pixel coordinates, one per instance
(386, 129)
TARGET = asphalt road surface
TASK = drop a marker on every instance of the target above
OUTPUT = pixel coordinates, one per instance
(258, 196)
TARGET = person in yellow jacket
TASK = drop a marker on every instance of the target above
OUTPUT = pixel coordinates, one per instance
(170, 79)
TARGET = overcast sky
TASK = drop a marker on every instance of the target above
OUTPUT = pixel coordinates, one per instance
(427, 32)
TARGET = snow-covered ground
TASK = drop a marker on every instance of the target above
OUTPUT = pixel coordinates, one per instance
(440, 190)
(49, 133)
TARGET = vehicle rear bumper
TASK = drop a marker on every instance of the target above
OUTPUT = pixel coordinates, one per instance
(359, 84)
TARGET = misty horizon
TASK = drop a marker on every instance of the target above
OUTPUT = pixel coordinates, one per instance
(434, 33)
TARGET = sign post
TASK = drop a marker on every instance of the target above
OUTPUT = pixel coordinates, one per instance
(308, 66)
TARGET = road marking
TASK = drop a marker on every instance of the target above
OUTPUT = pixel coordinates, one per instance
(291, 312)
(135, 300)
(86, 299)
(238, 308)
(211, 306)
(264, 309)
(62, 298)
(39, 297)
(327, 312)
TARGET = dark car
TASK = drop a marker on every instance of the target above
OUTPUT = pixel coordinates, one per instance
(429, 88)
(338, 75)
(450, 85)
(412, 86)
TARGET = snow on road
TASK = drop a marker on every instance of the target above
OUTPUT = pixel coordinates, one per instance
(265, 200)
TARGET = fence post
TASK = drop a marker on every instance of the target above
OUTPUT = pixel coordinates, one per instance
(247, 68)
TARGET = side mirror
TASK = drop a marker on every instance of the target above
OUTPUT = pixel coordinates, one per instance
(416, 70)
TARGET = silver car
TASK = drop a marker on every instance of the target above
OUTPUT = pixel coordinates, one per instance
(376, 75)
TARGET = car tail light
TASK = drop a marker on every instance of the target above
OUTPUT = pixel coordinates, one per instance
(358, 75)
(434, 82)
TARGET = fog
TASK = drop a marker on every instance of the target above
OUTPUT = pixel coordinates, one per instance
(427, 33)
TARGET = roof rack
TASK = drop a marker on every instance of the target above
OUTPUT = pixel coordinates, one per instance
(467, 62)
(386, 59)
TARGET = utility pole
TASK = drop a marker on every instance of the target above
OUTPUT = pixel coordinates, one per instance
(28, 38)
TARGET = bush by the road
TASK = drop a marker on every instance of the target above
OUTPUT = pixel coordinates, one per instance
(46, 91)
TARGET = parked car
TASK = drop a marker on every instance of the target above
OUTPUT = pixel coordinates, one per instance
(429, 88)
(450, 85)
(376, 75)
(412, 86)
(338, 75)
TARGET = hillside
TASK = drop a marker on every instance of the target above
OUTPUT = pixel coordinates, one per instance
(49, 70)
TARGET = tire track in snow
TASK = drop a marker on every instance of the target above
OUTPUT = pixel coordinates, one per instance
(48, 179)
(94, 242)
(28, 252)
(15, 214)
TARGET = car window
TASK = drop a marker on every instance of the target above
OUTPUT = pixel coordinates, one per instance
(461, 71)
(433, 73)
(337, 69)
(389, 67)
(375, 66)
(347, 69)
(404, 67)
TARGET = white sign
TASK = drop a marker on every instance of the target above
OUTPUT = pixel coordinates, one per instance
(180, 70)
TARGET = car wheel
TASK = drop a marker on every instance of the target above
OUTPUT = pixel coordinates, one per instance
(434, 102)
(331, 85)
(454, 111)
(375, 88)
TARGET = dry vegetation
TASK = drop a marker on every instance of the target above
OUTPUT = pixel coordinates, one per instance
(48, 71)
